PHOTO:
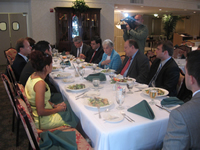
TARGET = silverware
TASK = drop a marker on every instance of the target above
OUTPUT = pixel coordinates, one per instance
(127, 117)
(161, 107)
(81, 94)
(137, 90)
(99, 111)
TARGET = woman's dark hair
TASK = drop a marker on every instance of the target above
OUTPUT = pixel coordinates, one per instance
(39, 60)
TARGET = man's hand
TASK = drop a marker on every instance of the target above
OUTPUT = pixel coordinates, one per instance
(66, 53)
(82, 56)
(127, 26)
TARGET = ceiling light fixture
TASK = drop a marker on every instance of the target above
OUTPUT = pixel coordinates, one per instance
(125, 14)
(155, 15)
(160, 9)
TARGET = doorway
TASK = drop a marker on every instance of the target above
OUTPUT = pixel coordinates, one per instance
(12, 27)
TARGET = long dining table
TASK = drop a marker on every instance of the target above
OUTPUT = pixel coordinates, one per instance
(143, 134)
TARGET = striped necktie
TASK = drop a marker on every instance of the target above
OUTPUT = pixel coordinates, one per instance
(152, 82)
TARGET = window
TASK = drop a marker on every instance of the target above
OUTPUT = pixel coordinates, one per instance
(3, 26)
(15, 26)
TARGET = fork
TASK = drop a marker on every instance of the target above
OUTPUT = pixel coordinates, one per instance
(127, 117)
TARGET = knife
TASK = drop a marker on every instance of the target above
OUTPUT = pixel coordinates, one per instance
(81, 94)
(163, 108)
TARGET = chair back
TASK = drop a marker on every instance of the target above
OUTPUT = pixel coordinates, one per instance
(28, 123)
(10, 91)
(22, 94)
(12, 77)
(10, 55)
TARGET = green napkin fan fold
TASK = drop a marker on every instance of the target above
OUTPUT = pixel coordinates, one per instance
(143, 109)
(101, 77)
(171, 101)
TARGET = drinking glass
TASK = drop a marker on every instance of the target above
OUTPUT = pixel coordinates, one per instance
(78, 61)
(130, 85)
(119, 99)
(94, 66)
(112, 75)
(152, 94)
(63, 66)
(55, 59)
(81, 72)
(96, 83)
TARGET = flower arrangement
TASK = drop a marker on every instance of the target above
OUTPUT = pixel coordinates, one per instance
(80, 6)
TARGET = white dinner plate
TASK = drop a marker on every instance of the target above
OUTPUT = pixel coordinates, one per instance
(112, 117)
(87, 65)
(141, 86)
(55, 68)
(68, 80)
(61, 75)
(78, 90)
(108, 72)
(92, 94)
(165, 91)
(87, 104)
(124, 83)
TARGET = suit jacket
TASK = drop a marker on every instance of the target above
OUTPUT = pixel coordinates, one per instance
(139, 68)
(167, 77)
(29, 70)
(183, 130)
(98, 56)
(18, 65)
(86, 50)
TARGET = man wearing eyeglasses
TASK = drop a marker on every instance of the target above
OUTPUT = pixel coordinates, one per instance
(139, 33)
(80, 49)
(97, 50)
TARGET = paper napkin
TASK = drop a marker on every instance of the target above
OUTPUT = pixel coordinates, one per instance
(101, 76)
(142, 109)
(171, 101)
(58, 140)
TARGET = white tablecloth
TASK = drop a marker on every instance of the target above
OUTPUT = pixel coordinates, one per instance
(141, 134)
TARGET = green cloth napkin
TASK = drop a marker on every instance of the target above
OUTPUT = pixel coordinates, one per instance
(171, 101)
(142, 109)
(58, 140)
(101, 76)
(63, 53)
(66, 63)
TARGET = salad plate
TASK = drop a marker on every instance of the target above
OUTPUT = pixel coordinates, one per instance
(160, 91)
(56, 68)
(68, 80)
(112, 117)
(76, 87)
(107, 71)
(92, 102)
(61, 75)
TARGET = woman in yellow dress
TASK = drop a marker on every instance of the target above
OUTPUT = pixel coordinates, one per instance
(46, 114)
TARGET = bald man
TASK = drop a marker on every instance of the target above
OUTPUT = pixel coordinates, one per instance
(139, 33)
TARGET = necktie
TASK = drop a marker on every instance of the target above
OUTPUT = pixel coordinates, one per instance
(78, 52)
(155, 76)
(126, 66)
(93, 56)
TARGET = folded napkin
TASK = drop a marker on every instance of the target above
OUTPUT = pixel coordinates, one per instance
(101, 77)
(66, 63)
(171, 101)
(58, 140)
(142, 109)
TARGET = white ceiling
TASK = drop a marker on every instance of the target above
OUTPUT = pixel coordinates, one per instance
(136, 9)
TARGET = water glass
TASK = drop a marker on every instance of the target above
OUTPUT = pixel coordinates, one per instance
(120, 99)
(94, 66)
(96, 83)
(130, 85)
(152, 94)
(63, 66)
(81, 72)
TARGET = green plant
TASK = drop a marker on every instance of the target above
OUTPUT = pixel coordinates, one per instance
(169, 25)
(80, 6)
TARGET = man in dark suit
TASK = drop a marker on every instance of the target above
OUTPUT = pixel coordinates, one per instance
(80, 49)
(24, 49)
(164, 71)
(183, 130)
(97, 50)
(135, 64)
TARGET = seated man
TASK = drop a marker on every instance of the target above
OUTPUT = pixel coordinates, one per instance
(135, 64)
(97, 50)
(24, 49)
(183, 130)
(80, 49)
(164, 71)
(44, 47)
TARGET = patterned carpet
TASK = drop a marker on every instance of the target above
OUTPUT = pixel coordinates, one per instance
(7, 137)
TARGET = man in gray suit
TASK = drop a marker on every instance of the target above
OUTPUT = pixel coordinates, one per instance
(183, 131)
(135, 64)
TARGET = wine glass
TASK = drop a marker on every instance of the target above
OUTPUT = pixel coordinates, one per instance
(81, 72)
(96, 83)
(78, 61)
(130, 85)
(152, 94)
(94, 66)
(63, 66)
(55, 59)
(119, 99)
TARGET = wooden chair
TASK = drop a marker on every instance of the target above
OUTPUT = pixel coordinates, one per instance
(10, 55)
(11, 94)
(11, 76)
(32, 133)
